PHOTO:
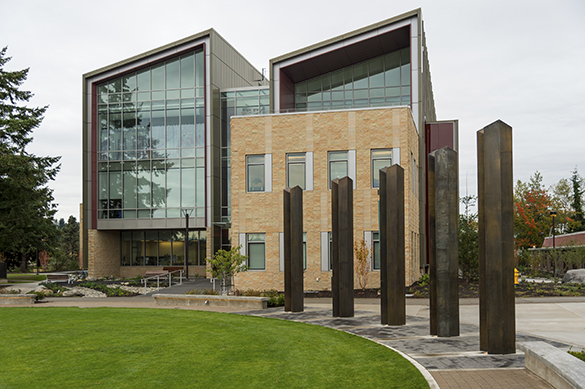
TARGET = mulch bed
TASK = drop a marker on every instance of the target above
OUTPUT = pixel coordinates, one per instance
(471, 290)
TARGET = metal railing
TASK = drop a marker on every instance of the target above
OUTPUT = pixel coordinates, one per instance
(159, 276)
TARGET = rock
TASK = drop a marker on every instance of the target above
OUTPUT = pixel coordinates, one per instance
(576, 276)
(90, 279)
(72, 293)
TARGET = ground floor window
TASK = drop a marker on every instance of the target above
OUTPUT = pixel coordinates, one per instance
(376, 250)
(256, 251)
(162, 248)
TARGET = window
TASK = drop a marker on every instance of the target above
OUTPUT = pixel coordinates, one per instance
(380, 159)
(295, 170)
(256, 251)
(255, 173)
(281, 237)
(376, 250)
(338, 165)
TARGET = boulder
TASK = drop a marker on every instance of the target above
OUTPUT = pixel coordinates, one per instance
(576, 276)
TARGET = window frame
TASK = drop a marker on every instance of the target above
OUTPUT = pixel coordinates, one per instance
(374, 170)
(329, 161)
(255, 242)
(250, 164)
(289, 163)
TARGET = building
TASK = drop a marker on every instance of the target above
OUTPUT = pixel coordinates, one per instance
(193, 128)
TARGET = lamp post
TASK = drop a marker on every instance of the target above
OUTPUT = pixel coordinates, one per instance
(553, 214)
(187, 212)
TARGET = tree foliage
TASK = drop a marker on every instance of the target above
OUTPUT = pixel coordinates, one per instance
(226, 264)
(577, 203)
(468, 240)
(26, 208)
(532, 219)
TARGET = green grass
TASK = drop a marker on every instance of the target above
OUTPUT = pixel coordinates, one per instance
(25, 277)
(138, 348)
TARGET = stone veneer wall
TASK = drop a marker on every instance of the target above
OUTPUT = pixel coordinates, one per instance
(103, 253)
(360, 130)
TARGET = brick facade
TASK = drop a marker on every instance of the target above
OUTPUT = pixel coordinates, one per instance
(104, 253)
(359, 130)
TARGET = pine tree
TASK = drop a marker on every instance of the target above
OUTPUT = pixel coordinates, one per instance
(26, 207)
(577, 203)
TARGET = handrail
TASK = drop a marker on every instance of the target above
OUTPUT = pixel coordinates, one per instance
(158, 276)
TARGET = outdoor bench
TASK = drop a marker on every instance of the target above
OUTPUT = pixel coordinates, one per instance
(58, 277)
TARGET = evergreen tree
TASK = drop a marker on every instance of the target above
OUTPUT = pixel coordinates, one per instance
(577, 203)
(26, 208)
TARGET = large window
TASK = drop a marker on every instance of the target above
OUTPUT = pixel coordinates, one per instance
(380, 159)
(151, 141)
(255, 173)
(256, 251)
(338, 165)
(296, 170)
(162, 248)
(381, 81)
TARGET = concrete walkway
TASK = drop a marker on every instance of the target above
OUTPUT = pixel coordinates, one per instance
(453, 362)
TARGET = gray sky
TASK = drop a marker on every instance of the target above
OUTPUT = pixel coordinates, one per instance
(519, 61)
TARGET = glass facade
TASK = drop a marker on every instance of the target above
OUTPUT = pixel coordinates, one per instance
(151, 141)
(162, 248)
(378, 82)
(236, 102)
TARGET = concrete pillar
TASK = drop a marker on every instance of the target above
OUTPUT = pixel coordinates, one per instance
(293, 249)
(392, 264)
(342, 241)
(446, 261)
(496, 239)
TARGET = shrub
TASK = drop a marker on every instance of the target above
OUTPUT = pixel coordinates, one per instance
(57, 289)
(578, 354)
(424, 280)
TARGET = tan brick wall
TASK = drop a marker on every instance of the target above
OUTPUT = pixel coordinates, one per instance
(103, 253)
(318, 132)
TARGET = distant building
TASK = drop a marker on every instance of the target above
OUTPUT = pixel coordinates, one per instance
(565, 240)
(192, 127)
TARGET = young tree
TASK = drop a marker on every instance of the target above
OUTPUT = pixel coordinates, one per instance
(362, 265)
(468, 241)
(226, 264)
(532, 206)
(26, 207)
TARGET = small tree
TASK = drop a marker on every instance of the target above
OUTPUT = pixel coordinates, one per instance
(226, 264)
(362, 265)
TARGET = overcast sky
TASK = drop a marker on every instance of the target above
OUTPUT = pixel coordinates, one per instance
(519, 61)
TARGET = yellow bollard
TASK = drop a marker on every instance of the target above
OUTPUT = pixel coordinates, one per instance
(516, 275)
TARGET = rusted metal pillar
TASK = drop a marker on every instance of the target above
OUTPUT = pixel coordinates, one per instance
(342, 242)
(446, 209)
(392, 264)
(432, 247)
(293, 249)
(496, 239)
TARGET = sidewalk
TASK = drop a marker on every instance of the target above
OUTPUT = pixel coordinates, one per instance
(453, 362)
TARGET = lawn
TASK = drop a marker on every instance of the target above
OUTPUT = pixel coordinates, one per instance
(127, 348)
(25, 277)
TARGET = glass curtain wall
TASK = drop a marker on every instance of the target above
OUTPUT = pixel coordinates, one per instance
(151, 141)
(236, 102)
(378, 82)
(162, 248)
